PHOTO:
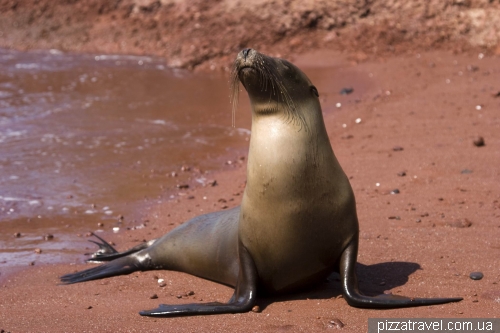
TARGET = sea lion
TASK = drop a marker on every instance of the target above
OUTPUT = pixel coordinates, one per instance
(297, 221)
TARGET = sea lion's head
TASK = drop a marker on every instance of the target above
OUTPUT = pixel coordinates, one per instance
(275, 86)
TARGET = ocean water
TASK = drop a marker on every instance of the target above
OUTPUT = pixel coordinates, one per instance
(88, 138)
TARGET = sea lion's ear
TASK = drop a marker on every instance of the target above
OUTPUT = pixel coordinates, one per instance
(314, 91)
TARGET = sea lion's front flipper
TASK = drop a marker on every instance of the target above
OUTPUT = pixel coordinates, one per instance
(242, 300)
(355, 298)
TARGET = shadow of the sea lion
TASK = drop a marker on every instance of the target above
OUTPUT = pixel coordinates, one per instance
(373, 280)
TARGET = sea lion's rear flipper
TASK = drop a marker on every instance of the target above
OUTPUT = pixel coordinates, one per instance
(242, 300)
(120, 266)
(107, 252)
(355, 298)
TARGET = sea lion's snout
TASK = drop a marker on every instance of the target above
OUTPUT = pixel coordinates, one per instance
(246, 56)
(246, 52)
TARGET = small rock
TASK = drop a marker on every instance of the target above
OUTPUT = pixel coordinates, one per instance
(38, 251)
(212, 183)
(397, 148)
(336, 323)
(476, 275)
(190, 293)
(100, 224)
(190, 197)
(395, 191)
(179, 296)
(48, 237)
(472, 68)
(459, 223)
(346, 91)
(89, 307)
(394, 218)
(402, 173)
(256, 309)
(479, 141)
(182, 186)
(154, 296)
(17, 234)
(162, 284)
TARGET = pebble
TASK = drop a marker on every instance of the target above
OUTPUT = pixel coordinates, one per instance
(256, 309)
(336, 323)
(48, 237)
(38, 251)
(154, 296)
(459, 223)
(479, 141)
(394, 218)
(472, 68)
(476, 275)
(212, 183)
(397, 148)
(346, 91)
(182, 186)
(395, 191)
(402, 174)
(17, 234)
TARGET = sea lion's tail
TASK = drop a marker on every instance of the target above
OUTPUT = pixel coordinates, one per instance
(356, 299)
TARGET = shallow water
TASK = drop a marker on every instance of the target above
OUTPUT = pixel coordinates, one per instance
(85, 139)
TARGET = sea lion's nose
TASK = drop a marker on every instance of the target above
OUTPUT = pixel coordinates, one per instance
(246, 52)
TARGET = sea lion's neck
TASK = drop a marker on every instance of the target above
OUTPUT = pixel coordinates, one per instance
(282, 153)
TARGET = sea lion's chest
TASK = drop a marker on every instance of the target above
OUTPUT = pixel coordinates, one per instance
(294, 221)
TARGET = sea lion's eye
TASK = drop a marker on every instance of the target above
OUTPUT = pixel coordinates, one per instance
(314, 91)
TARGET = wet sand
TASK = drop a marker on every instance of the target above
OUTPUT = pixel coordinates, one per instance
(412, 128)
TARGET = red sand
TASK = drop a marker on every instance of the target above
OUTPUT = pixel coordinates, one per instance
(423, 242)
